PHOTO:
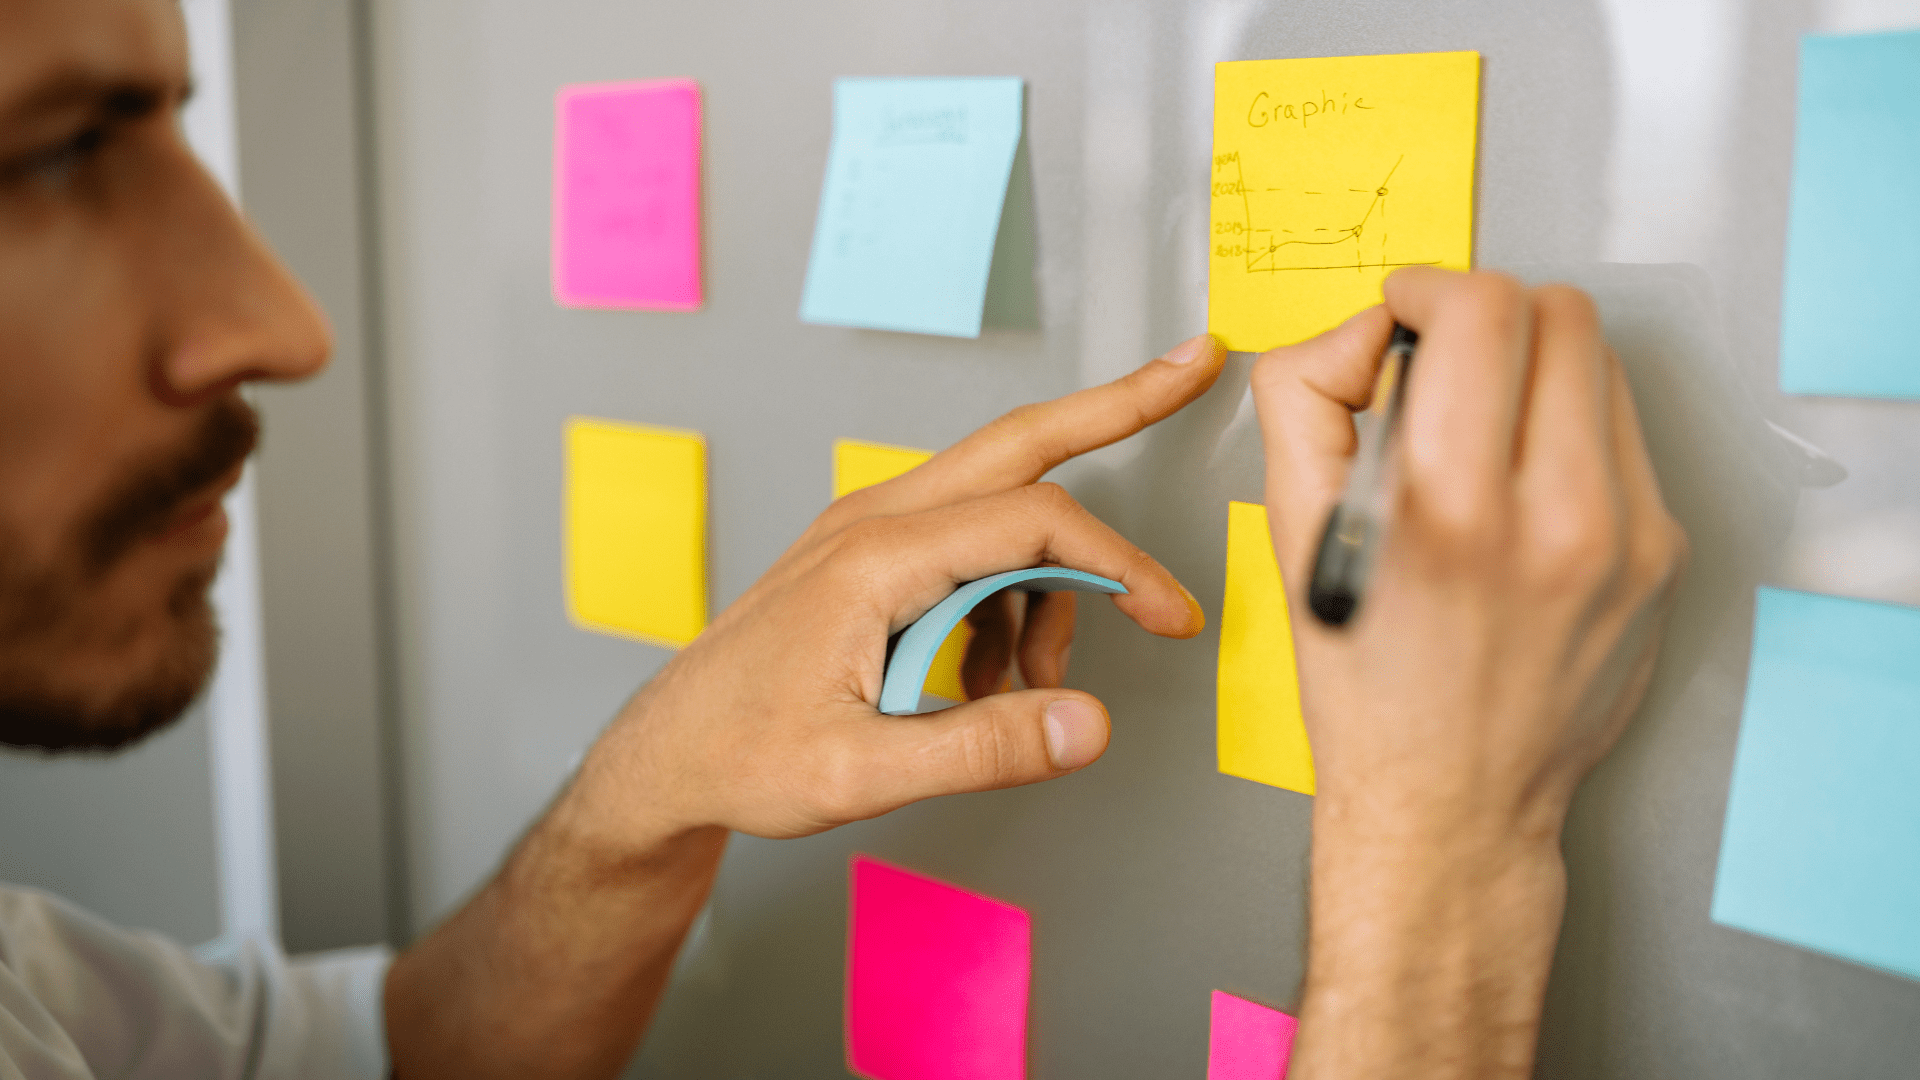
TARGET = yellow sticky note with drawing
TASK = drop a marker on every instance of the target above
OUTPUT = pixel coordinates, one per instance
(1327, 175)
(858, 464)
(636, 530)
(1262, 736)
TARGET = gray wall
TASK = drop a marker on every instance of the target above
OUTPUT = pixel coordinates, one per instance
(299, 83)
(1615, 132)
(128, 836)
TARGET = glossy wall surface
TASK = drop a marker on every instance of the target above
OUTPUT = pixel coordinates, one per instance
(1638, 147)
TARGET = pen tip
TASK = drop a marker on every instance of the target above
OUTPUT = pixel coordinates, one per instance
(1332, 606)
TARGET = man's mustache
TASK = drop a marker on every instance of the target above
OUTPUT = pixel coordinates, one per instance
(148, 501)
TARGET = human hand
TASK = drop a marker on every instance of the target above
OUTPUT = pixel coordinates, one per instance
(1508, 631)
(1513, 617)
(766, 723)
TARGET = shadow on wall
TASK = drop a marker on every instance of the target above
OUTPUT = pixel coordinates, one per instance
(1013, 296)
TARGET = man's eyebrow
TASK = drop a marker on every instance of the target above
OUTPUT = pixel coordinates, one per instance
(116, 95)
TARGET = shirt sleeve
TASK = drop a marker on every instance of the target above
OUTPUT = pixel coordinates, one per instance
(134, 1004)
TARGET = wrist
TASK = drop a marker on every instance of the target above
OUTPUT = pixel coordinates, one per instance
(1438, 866)
(1472, 812)
(1425, 869)
(1431, 941)
(625, 805)
(597, 837)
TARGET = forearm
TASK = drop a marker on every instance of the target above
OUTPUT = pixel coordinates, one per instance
(1429, 949)
(556, 966)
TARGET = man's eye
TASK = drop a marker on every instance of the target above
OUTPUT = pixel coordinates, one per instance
(56, 165)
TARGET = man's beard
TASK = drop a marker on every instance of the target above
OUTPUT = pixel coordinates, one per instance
(45, 610)
(36, 713)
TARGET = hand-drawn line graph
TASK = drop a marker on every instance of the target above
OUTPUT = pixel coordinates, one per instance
(1352, 224)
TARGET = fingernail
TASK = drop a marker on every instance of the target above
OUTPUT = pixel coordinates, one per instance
(1076, 733)
(1197, 615)
(1190, 350)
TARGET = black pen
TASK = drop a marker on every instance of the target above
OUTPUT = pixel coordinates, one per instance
(1358, 522)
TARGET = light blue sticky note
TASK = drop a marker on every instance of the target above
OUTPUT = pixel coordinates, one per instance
(913, 653)
(1853, 240)
(1822, 841)
(916, 178)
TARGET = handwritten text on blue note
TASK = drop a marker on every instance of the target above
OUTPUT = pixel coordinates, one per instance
(1853, 241)
(916, 179)
(1822, 841)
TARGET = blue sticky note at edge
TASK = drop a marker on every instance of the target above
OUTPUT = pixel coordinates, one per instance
(1821, 847)
(913, 654)
(941, 288)
(1853, 240)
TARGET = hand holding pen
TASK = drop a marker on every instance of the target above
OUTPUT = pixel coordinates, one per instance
(1503, 621)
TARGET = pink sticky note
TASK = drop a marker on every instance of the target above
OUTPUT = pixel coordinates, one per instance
(936, 979)
(1249, 1041)
(626, 195)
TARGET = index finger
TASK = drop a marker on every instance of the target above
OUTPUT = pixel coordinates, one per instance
(1466, 395)
(1306, 395)
(917, 559)
(1022, 446)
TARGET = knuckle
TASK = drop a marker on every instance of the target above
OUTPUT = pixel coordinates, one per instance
(1138, 559)
(1568, 305)
(1660, 555)
(1025, 429)
(865, 545)
(1269, 374)
(837, 791)
(1679, 546)
(1494, 294)
(1459, 518)
(1149, 394)
(1576, 554)
(992, 756)
(853, 506)
(1051, 499)
(1022, 417)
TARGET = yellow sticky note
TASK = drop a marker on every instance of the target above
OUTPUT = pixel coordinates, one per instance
(858, 464)
(636, 541)
(1262, 736)
(943, 675)
(1328, 174)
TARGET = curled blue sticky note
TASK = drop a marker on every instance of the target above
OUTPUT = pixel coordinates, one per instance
(913, 653)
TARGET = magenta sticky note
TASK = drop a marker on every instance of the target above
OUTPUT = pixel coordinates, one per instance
(626, 195)
(1249, 1041)
(936, 979)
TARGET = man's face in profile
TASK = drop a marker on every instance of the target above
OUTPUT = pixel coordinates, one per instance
(134, 303)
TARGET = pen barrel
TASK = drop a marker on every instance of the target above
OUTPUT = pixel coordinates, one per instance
(1342, 564)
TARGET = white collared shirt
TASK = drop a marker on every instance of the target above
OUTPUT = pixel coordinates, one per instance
(82, 999)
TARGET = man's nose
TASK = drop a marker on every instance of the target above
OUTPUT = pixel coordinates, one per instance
(233, 312)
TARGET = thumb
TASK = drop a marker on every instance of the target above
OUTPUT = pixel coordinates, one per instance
(1000, 741)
